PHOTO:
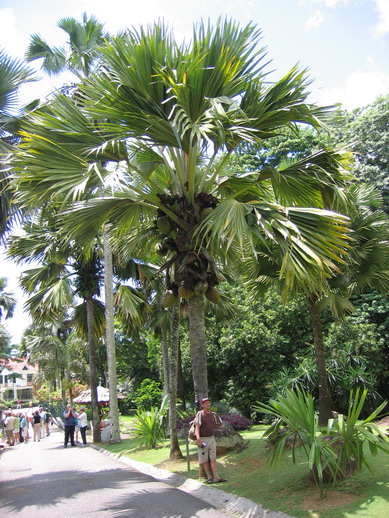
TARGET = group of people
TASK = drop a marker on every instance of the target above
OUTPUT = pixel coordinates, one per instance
(20, 426)
(17, 425)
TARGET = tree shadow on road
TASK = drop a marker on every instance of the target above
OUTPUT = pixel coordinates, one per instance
(111, 493)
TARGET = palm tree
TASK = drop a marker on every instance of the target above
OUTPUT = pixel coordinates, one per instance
(7, 307)
(53, 290)
(52, 347)
(7, 300)
(13, 74)
(81, 54)
(169, 117)
(366, 267)
(81, 57)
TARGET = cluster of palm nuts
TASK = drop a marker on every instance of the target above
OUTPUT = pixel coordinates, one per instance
(190, 271)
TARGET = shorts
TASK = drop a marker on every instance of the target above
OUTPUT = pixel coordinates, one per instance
(209, 451)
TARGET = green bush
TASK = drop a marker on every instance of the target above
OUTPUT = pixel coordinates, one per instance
(330, 450)
(149, 395)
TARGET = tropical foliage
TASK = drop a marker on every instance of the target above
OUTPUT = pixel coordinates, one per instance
(330, 450)
(158, 137)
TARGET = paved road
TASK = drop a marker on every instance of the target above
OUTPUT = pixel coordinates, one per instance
(43, 479)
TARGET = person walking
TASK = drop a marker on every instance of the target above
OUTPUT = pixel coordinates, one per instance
(24, 425)
(83, 423)
(47, 421)
(42, 413)
(70, 420)
(36, 425)
(16, 428)
(206, 423)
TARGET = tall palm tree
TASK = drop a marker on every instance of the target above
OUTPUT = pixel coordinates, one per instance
(366, 267)
(169, 117)
(13, 74)
(80, 55)
(52, 289)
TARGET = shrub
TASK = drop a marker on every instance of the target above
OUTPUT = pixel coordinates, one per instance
(330, 450)
(149, 395)
(149, 425)
(239, 422)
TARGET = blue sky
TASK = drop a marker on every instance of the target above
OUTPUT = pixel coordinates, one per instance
(343, 43)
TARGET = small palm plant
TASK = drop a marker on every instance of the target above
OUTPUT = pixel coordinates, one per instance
(330, 450)
(150, 425)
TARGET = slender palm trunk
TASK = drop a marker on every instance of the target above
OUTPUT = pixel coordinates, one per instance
(198, 351)
(63, 391)
(93, 370)
(175, 452)
(180, 380)
(325, 404)
(110, 340)
(165, 360)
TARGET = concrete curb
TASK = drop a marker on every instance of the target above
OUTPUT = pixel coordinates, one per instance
(232, 505)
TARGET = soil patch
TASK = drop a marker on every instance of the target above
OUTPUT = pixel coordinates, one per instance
(332, 500)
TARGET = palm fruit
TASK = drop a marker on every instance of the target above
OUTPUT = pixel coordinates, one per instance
(201, 287)
(169, 298)
(205, 212)
(185, 293)
(213, 294)
(164, 225)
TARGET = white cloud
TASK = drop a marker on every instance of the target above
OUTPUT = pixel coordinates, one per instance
(9, 33)
(382, 8)
(326, 3)
(314, 21)
(360, 88)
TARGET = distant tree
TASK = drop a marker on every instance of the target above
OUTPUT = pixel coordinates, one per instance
(80, 55)
(367, 130)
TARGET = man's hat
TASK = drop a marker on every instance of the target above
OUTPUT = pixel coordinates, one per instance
(205, 399)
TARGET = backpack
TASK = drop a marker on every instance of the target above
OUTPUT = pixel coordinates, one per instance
(192, 431)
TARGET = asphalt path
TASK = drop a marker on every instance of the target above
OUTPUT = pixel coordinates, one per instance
(43, 479)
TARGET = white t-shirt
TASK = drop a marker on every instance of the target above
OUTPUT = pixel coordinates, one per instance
(82, 420)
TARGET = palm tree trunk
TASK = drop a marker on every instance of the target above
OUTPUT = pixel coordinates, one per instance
(180, 380)
(175, 452)
(93, 371)
(71, 393)
(325, 404)
(110, 339)
(63, 391)
(198, 351)
(165, 360)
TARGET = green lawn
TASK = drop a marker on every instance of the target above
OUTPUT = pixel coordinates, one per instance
(284, 487)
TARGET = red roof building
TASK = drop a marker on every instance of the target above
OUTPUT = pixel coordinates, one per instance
(17, 380)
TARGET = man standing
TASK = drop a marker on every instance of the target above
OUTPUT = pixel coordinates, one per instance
(9, 428)
(70, 416)
(206, 423)
(36, 425)
(47, 421)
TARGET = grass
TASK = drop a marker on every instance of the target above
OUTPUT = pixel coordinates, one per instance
(284, 487)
